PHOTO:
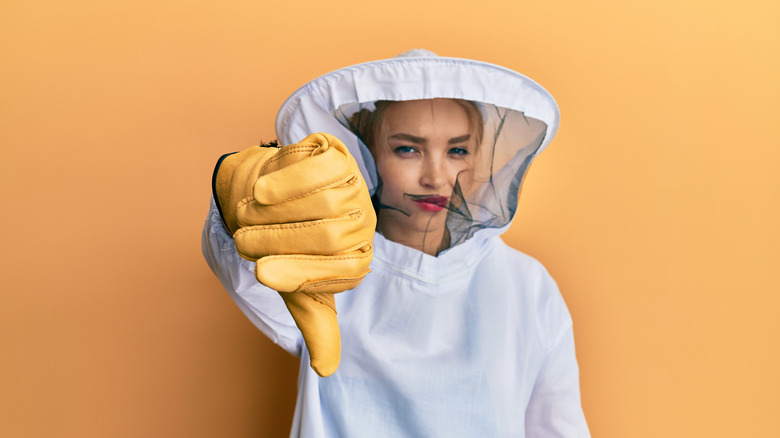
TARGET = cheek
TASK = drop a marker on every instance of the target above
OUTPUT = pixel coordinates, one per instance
(392, 176)
(463, 173)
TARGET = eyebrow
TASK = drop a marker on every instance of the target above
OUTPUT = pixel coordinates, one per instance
(408, 137)
(461, 139)
(420, 140)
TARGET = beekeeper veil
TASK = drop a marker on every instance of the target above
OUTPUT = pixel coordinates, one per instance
(443, 143)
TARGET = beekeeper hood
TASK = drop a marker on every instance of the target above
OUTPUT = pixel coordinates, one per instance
(443, 143)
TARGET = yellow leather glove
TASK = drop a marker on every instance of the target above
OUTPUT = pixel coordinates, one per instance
(304, 215)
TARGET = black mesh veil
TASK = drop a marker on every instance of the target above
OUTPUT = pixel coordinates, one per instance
(482, 196)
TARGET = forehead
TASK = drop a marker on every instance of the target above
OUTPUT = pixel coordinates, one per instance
(426, 115)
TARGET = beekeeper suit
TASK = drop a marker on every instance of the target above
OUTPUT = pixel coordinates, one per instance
(451, 333)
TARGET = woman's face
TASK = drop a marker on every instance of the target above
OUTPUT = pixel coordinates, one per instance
(422, 149)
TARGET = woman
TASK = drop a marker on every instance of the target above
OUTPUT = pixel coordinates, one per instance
(452, 333)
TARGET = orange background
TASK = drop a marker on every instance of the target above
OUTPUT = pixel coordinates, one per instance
(656, 208)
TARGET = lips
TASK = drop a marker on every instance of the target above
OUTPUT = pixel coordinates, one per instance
(432, 203)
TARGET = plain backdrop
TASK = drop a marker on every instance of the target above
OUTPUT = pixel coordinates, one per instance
(656, 208)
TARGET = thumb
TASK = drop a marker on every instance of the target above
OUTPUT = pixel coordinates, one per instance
(315, 316)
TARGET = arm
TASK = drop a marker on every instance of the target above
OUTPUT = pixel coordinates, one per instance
(262, 305)
(555, 409)
(302, 215)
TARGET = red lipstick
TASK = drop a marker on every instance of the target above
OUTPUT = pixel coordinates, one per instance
(432, 203)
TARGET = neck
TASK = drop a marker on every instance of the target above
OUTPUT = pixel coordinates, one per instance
(429, 241)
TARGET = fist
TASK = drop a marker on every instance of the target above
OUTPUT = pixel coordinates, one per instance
(304, 215)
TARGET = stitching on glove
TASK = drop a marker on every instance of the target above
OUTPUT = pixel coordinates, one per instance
(351, 281)
(293, 149)
(317, 296)
(279, 155)
(351, 216)
(289, 151)
(326, 258)
(243, 202)
(363, 247)
(343, 182)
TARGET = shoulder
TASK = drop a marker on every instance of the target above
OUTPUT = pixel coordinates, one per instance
(534, 292)
(524, 268)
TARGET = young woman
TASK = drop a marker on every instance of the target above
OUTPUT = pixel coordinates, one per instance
(452, 333)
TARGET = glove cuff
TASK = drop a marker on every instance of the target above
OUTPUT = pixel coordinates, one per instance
(214, 187)
(223, 187)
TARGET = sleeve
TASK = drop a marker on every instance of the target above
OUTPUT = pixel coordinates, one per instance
(555, 409)
(262, 305)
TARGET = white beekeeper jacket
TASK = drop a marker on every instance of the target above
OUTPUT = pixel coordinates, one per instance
(474, 342)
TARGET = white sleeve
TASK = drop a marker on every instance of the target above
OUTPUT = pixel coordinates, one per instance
(555, 409)
(262, 305)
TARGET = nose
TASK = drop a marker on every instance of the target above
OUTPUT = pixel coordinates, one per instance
(433, 175)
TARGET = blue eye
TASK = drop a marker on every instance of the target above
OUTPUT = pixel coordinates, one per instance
(459, 151)
(404, 150)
